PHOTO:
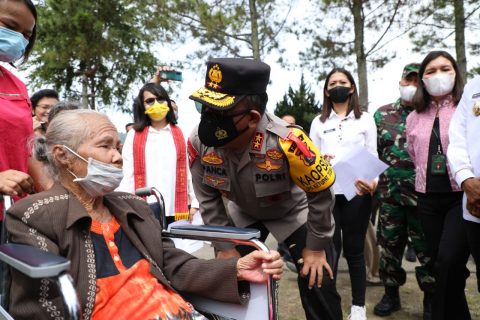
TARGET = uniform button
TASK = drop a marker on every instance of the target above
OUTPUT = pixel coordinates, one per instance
(269, 126)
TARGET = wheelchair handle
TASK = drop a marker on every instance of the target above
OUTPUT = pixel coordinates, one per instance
(152, 191)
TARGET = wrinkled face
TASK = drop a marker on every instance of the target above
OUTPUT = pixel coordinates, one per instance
(338, 79)
(16, 16)
(438, 66)
(102, 144)
(289, 119)
(43, 107)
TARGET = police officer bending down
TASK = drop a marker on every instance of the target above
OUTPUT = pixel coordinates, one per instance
(273, 175)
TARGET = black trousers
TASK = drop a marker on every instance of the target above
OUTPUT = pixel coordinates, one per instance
(445, 232)
(351, 223)
(318, 303)
(473, 237)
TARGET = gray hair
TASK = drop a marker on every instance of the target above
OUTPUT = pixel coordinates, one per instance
(69, 128)
(63, 106)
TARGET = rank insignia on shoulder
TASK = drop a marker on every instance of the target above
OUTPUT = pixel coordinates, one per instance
(212, 158)
(308, 169)
(476, 109)
(257, 141)
(274, 154)
(268, 165)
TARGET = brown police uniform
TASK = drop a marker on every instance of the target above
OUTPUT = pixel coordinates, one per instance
(278, 183)
(258, 183)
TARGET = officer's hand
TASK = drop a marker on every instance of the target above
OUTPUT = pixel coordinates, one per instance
(227, 254)
(365, 187)
(192, 212)
(15, 183)
(313, 264)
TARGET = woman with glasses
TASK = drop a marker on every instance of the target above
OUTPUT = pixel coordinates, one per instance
(154, 154)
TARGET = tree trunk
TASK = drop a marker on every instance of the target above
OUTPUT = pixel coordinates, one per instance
(459, 13)
(254, 25)
(358, 22)
(84, 91)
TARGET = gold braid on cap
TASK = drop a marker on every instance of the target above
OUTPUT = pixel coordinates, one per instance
(216, 98)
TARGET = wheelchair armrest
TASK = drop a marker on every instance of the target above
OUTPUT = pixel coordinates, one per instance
(32, 261)
(218, 232)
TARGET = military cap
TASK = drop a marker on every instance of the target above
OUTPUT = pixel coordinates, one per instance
(229, 80)
(410, 68)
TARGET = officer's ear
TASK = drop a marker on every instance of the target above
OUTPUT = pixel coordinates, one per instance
(255, 117)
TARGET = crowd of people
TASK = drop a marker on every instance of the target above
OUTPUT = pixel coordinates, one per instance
(74, 189)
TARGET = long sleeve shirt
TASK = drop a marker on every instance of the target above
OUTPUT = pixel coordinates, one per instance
(160, 164)
(397, 183)
(337, 136)
(464, 149)
(419, 131)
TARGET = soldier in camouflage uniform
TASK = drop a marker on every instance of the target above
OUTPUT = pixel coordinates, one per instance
(396, 192)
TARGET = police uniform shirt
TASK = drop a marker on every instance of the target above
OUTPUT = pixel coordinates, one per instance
(258, 183)
(464, 149)
(337, 136)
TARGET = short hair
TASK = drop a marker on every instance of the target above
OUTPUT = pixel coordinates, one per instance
(62, 106)
(422, 99)
(353, 104)
(258, 102)
(141, 119)
(67, 128)
(40, 94)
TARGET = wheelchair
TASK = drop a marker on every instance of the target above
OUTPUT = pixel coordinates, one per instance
(35, 263)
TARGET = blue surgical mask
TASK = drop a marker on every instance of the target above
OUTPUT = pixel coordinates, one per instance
(12, 45)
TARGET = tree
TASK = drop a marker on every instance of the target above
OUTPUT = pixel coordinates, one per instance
(438, 15)
(346, 32)
(238, 28)
(94, 50)
(299, 103)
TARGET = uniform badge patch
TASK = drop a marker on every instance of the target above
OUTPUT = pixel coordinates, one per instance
(212, 158)
(268, 165)
(476, 109)
(257, 141)
(215, 181)
(274, 154)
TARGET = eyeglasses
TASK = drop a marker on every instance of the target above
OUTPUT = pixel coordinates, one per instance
(151, 101)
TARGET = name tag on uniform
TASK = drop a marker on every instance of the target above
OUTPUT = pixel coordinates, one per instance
(329, 130)
(476, 95)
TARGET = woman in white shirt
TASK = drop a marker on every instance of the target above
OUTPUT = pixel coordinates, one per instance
(340, 127)
(154, 154)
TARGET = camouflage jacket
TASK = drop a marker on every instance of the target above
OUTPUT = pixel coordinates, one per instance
(397, 183)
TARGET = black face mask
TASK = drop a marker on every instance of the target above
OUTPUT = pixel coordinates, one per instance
(339, 94)
(215, 130)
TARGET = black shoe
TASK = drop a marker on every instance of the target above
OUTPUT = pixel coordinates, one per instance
(390, 302)
(427, 305)
(410, 254)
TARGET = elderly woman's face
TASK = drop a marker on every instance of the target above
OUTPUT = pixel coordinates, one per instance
(102, 146)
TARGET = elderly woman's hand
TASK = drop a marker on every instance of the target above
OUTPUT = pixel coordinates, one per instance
(258, 265)
(15, 183)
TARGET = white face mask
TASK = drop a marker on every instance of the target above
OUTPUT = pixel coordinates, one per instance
(101, 178)
(407, 93)
(440, 84)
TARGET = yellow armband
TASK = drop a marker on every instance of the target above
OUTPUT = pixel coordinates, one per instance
(308, 169)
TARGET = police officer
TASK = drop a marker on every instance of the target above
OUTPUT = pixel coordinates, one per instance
(396, 192)
(275, 178)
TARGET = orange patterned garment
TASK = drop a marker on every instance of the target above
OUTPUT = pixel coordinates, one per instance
(134, 293)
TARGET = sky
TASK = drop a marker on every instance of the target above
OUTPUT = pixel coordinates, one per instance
(383, 83)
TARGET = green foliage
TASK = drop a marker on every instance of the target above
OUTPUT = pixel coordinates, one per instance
(95, 47)
(301, 104)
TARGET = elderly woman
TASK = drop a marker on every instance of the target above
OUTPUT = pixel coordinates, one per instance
(121, 266)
